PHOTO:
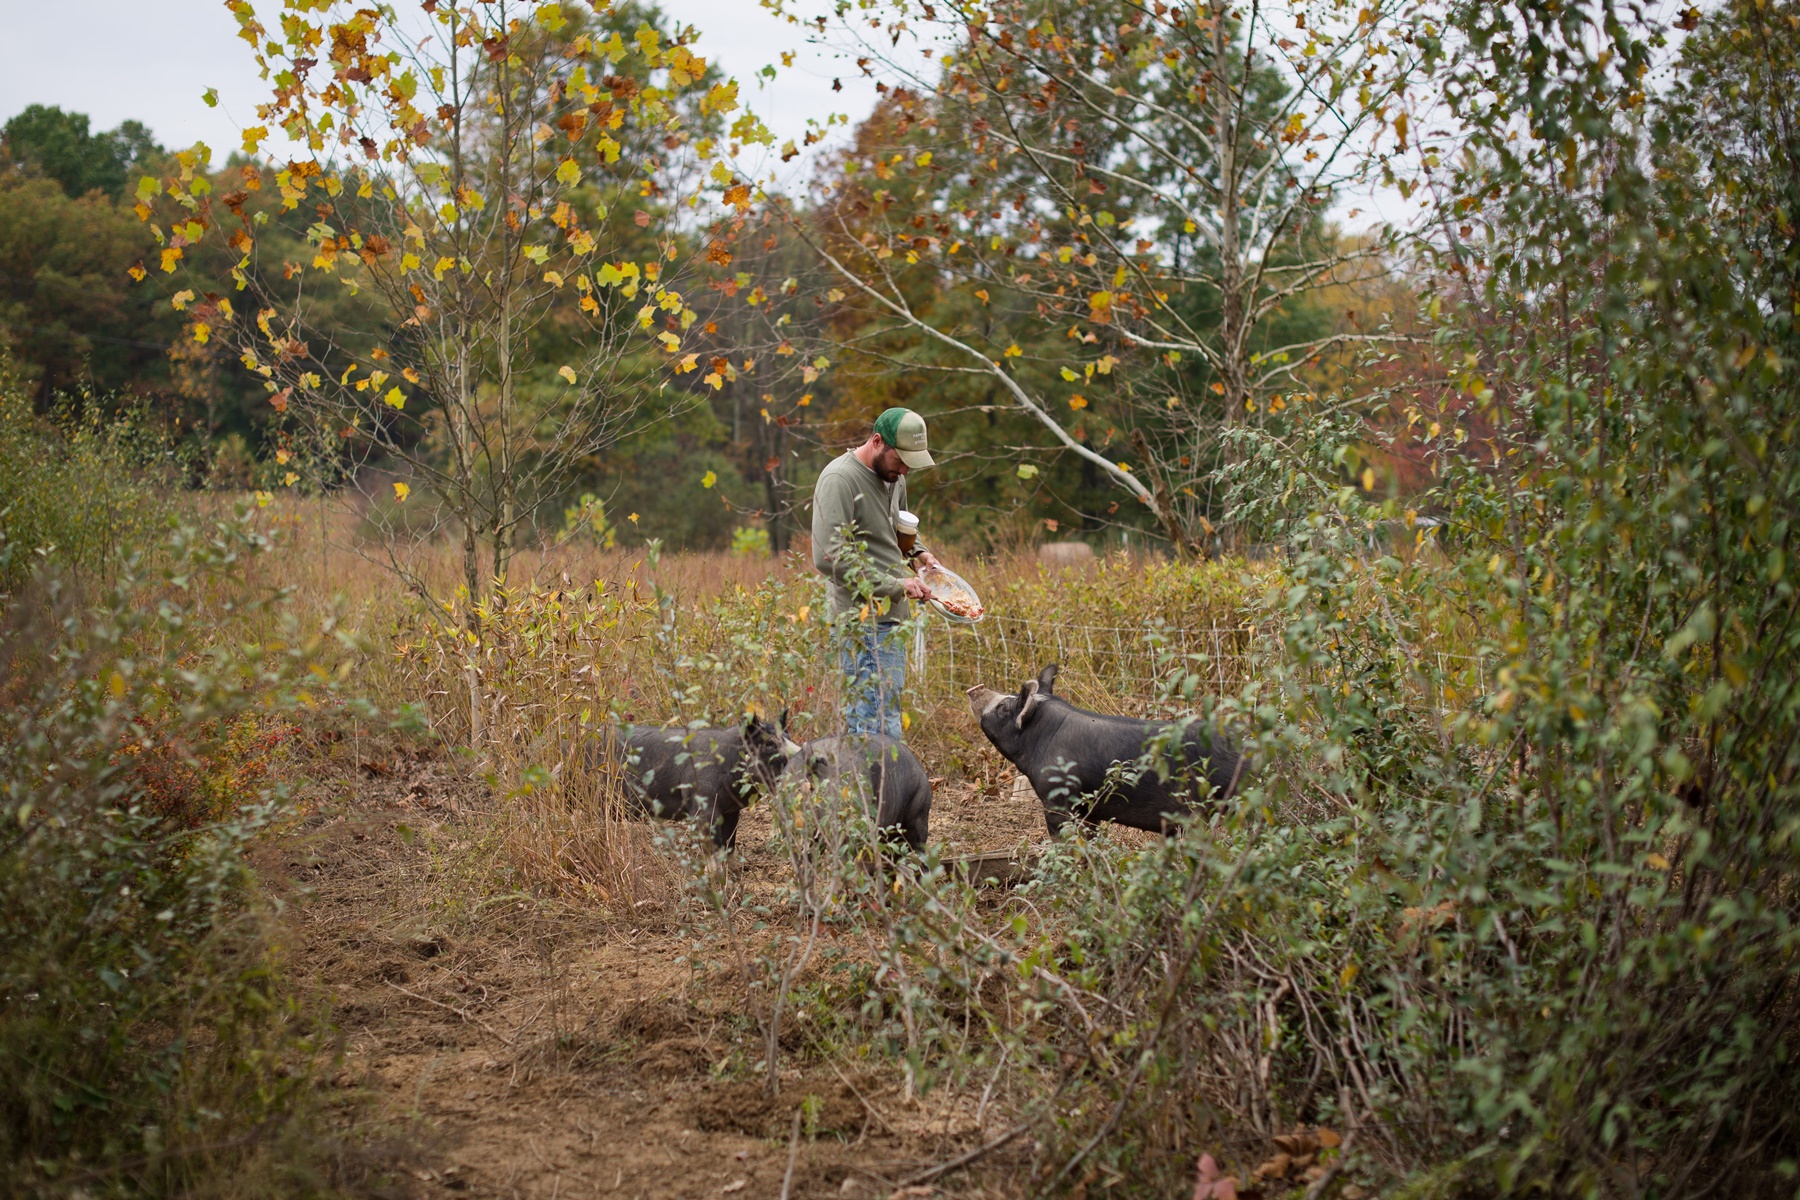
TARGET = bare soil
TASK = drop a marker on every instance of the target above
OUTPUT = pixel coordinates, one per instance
(534, 1050)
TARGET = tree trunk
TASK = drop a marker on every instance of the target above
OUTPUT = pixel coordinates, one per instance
(472, 623)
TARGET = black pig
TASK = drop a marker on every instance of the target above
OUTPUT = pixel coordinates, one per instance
(709, 773)
(1066, 753)
(886, 767)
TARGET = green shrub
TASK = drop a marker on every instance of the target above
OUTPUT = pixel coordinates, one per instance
(147, 1042)
(78, 487)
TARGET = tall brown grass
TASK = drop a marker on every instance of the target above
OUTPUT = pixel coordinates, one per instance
(578, 638)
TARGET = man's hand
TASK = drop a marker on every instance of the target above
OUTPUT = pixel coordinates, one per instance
(915, 588)
(926, 558)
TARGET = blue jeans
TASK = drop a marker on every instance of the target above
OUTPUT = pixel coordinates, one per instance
(873, 659)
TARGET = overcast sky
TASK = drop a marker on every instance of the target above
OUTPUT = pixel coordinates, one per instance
(152, 59)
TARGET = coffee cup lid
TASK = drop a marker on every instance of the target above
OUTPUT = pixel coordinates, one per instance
(906, 522)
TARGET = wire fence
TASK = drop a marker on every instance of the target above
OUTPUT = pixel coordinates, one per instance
(1124, 668)
(1120, 665)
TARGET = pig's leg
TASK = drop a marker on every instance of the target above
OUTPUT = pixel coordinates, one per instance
(725, 823)
(917, 825)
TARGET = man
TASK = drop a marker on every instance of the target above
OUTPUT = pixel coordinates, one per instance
(871, 590)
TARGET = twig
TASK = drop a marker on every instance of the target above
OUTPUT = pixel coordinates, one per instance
(963, 1160)
(1318, 1186)
(787, 1180)
(864, 1099)
(988, 1091)
(471, 1018)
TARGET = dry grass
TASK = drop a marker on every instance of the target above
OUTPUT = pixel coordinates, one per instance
(577, 638)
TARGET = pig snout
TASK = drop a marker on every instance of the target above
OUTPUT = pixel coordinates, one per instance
(981, 697)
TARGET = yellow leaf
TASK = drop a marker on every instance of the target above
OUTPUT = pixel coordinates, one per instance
(708, 479)
(264, 499)
(1106, 364)
(116, 684)
(981, 293)
(1348, 975)
(805, 400)
(669, 341)
(401, 492)
(290, 479)
(180, 300)
(923, 160)
(170, 256)
(633, 518)
(722, 98)
(137, 272)
(1368, 479)
(1657, 861)
(202, 332)
(567, 172)
(716, 382)
(410, 375)
(1012, 351)
(395, 398)
(1027, 471)
(1069, 375)
(568, 373)
(687, 362)
(281, 456)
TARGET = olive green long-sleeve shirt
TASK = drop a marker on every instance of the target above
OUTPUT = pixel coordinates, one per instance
(848, 493)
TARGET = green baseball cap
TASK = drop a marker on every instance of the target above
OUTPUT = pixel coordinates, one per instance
(904, 430)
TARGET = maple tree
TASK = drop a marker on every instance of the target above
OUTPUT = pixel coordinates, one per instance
(496, 184)
(1145, 186)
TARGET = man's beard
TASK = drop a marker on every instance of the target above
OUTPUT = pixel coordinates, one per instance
(884, 471)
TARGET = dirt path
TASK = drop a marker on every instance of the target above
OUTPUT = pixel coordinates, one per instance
(538, 1054)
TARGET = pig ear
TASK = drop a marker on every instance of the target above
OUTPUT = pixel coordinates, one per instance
(784, 717)
(1047, 679)
(1032, 697)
